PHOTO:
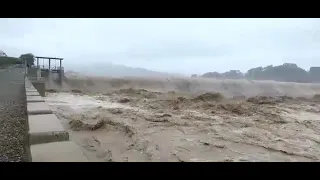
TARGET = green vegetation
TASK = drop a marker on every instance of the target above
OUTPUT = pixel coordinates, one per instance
(8, 61)
(29, 57)
(288, 72)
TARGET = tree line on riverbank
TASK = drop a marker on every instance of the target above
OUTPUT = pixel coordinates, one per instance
(287, 72)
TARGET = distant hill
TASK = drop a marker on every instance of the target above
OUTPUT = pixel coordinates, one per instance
(113, 70)
(288, 72)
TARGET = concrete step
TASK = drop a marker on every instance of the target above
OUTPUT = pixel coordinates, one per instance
(32, 93)
(35, 99)
(36, 108)
(65, 151)
(31, 89)
(29, 85)
(46, 128)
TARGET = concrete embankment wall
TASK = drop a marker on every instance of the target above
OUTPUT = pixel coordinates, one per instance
(47, 139)
(39, 85)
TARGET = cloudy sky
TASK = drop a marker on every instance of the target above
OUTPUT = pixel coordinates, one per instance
(171, 45)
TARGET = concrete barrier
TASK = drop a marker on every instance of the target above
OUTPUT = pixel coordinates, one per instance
(40, 86)
(34, 99)
(31, 90)
(47, 139)
(66, 151)
(38, 108)
(46, 128)
(35, 85)
(32, 93)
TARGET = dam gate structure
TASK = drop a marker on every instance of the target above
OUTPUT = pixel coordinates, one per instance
(45, 73)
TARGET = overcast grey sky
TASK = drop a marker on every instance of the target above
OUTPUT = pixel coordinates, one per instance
(170, 45)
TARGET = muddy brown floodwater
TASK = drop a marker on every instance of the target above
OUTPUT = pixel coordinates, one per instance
(140, 125)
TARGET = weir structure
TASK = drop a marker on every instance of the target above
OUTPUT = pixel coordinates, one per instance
(48, 69)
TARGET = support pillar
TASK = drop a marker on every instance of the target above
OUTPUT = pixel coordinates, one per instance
(49, 78)
(38, 73)
(26, 67)
(60, 72)
(37, 62)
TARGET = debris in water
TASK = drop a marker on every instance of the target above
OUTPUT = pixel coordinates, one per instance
(124, 100)
(78, 125)
(209, 97)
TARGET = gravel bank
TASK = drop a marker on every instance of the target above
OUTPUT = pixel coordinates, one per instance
(13, 116)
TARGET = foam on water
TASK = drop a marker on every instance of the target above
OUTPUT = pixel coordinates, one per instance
(81, 102)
